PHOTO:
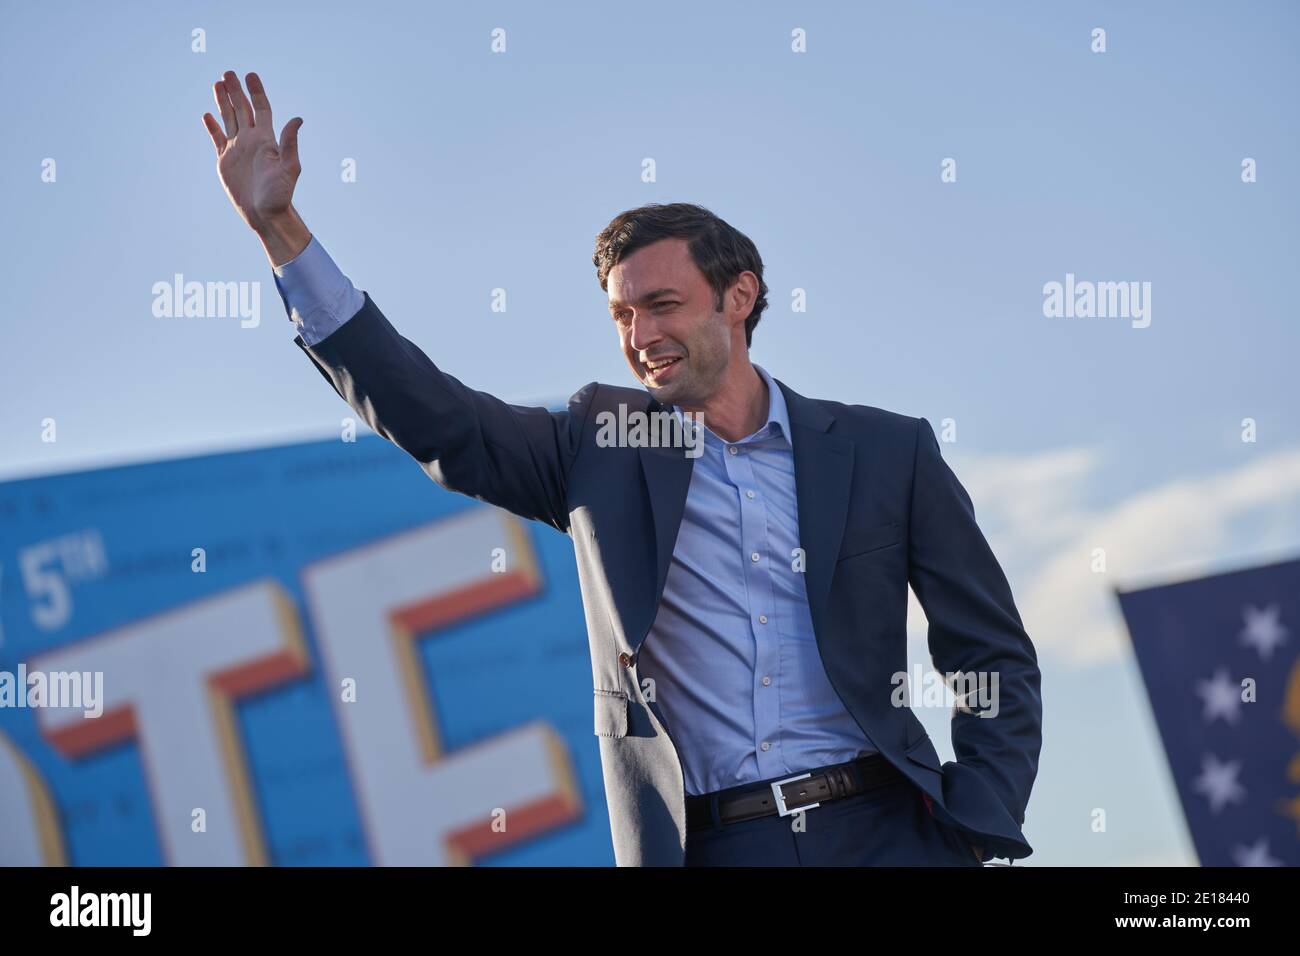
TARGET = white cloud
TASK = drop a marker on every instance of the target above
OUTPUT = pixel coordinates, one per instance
(1033, 510)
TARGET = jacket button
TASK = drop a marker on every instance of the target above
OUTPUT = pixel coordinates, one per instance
(625, 659)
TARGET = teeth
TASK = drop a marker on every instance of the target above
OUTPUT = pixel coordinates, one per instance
(655, 368)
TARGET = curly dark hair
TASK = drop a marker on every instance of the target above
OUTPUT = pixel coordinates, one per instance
(719, 251)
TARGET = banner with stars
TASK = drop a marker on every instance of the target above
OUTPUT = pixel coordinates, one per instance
(1219, 656)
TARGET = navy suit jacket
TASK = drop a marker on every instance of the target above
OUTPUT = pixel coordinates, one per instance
(878, 509)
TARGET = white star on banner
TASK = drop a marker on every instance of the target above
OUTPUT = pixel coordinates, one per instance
(1221, 696)
(1218, 781)
(1264, 630)
(1254, 855)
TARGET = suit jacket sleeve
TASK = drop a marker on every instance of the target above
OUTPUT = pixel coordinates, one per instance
(516, 457)
(974, 626)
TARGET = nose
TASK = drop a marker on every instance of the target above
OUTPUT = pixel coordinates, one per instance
(644, 332)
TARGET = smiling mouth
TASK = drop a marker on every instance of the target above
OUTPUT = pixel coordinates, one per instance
(660, 366)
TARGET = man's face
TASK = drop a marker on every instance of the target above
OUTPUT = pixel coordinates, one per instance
(662, 306)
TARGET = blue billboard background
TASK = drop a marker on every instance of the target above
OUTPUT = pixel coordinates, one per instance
(262, 514)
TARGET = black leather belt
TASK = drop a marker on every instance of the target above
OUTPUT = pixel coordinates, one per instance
(789, 795)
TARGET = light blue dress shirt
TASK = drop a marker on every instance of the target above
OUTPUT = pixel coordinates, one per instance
(317, 295)
(732, 655)
(732, 651)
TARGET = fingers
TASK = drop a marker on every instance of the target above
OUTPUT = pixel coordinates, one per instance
(243, 109)
(261, 105)
(225, 108)
(289, 140)
(214, 130)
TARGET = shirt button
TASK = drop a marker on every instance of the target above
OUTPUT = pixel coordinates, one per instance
(731, 448)
(753, 556)
(767, 681)
(749, 494)
(762, 619)
(766, 745)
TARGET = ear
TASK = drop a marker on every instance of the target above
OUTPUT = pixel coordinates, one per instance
(742, 295)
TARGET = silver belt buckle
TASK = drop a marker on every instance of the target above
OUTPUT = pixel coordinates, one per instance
(780, 797)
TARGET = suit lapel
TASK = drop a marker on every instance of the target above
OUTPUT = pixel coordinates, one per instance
(823, 471)
(667, 473)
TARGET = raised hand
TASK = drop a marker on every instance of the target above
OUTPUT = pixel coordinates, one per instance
(258, 172)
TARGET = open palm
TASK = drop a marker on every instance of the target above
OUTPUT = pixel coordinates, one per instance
(258, 172)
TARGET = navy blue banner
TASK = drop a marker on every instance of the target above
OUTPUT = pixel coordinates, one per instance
(1221, 660)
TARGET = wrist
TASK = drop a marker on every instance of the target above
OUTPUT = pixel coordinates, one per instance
(283, 236)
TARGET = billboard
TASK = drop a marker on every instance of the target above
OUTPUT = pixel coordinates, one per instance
(308, 654)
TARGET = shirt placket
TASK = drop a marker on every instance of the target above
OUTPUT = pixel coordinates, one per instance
(759, 591)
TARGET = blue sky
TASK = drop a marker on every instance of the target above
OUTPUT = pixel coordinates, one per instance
(478, 171)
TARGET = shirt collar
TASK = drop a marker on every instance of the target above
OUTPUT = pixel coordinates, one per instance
(777, 413)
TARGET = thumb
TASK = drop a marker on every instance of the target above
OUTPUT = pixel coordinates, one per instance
(289, 139)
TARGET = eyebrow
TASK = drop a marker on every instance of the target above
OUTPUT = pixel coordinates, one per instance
(649, 296)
